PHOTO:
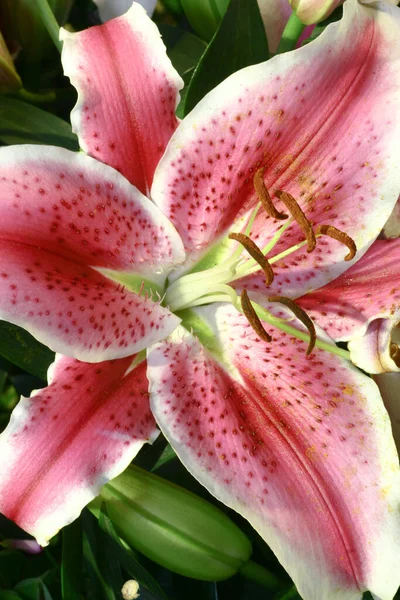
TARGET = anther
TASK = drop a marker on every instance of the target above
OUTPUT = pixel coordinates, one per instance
(299, 217)
(252, 317)
(255, 253)
(301, 315)
(340, 236)
(264, 197)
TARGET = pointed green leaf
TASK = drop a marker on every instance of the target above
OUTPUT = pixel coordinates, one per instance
(129, 562)
(20, 348)
(240, 41)
(22, 123)
(71, 566)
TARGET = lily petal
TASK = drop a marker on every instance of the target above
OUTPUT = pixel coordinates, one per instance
(336, 155)
(369, 290)
(376, 351)
(69, 439)
(275, 14)
(299, 446)
(64, 216)
(127, 93)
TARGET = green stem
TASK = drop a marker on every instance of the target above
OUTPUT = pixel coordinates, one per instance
(34, 98)
(50, 22)
(292, 593)
(301, 335)
(256, 572)
(291, 33)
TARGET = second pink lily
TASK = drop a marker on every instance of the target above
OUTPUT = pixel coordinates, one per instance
(299, 444)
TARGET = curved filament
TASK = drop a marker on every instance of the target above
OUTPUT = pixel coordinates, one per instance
(301, 315)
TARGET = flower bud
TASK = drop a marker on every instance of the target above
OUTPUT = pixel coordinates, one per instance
(173, 527)
(9, 78)
(313, 11)
(204, 16)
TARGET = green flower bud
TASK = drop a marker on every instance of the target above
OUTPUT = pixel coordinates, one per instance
(174, 527)
(204, 16)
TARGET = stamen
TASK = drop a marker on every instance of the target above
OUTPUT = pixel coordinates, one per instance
(301, 315)
(340, 236)
(264, 196)
(252, 317)
(298, 216)
(255, 253)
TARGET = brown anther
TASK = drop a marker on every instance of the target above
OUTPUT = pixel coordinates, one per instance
(255, 253)
(340, 236)
(298, 215)
(264, 197)
(394, 351)
(252, 317)
(301, 315)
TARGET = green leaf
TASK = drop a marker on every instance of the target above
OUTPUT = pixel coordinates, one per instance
(129, 562)
(71, 566)
(240, 41)
(167, 455)
(9, 595)
(186, 52)
(22, 123)
(20, 348)
(30, 589)
(98, 587)
(11, 566)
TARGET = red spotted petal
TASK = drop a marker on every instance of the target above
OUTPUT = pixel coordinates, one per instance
(64, 216)
(324, 123)
(300, 446)
(69, 439)
(127, 93)
(370, 289)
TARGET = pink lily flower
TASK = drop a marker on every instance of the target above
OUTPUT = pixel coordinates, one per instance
(294, 438)
(362, 307)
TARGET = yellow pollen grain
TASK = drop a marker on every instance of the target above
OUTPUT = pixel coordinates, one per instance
(348, 390)
(311, 452)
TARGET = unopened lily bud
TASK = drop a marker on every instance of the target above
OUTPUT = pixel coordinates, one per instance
(9, 78)
(204, 16)
(174, 527)
(21, 24)
(313, 11)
